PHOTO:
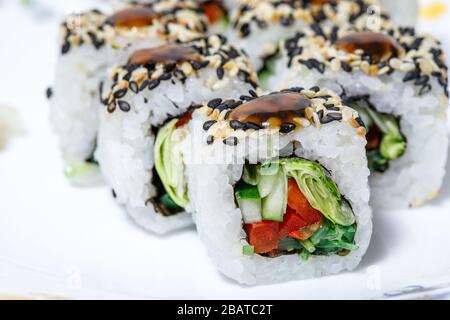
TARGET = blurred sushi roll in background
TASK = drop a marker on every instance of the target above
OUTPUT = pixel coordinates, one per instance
(144, 123)
(397, 80)
(287, 190)
(90, 43)
(216, 11)
(259, 25)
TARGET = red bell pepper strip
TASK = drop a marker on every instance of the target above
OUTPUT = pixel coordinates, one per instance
(291, 222)
(298, 202)
(263, 236)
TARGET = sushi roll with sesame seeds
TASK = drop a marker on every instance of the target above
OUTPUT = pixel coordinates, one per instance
(397, 80)
(290, 174)
(216, 12)
(90, 43)
(144, 123)
(259, 25)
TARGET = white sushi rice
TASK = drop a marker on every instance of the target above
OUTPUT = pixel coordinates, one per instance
(264, 43)
(336, 145)
(417, 175)
(125, 142)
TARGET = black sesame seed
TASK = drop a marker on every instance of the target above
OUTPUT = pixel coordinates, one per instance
(296, 89)
(331, 117)
(214, 103)
(246, 98)
(120, 93)
(208, 124)
(331, 107)
(286, 21)
(124, 106)
(134, 86)
(245, 30)
(169, 67)
(261, 24)
(210, 140)
(111, 107)
(234, 105)
(425, 89)
(127, 77)
(253, 93)
(315, 89)
(195, 64)
(233, 53)
(317, 29)
(153, 84)
(325, 97)
(422, 80)
(334, 34)
(291, 44)
(231, 141)
(411, 75)
(252, 125)
(287, 127)
(220, 73)
(237, 125)
(65, 47)
(165, 76)
(143, 85)
(204, 64)
(360, 122)
(416, 44)
(296, 51)
(49, 93)
(145, 100)
(113, 193)
(97, 43)
(346, 67)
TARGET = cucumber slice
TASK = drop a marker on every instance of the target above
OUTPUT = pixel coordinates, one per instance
(249, 202)
(245, 191)
(251, 210)
(274, 205)
(269, 168)
(250, 174)
(266, 185)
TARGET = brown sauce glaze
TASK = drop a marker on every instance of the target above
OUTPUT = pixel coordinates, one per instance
(378, 46)
(272, 110)
(170, 53)
(133, 16)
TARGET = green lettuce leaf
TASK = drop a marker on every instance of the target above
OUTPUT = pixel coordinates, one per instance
(169, 162)
(321, 192)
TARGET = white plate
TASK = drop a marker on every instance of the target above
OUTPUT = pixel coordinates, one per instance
(62, 241)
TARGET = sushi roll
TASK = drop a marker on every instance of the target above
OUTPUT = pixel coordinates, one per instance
(144, 123)
(259, 25)
(216, 12)
(90, 43)
(287, 190)
(397, 80)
